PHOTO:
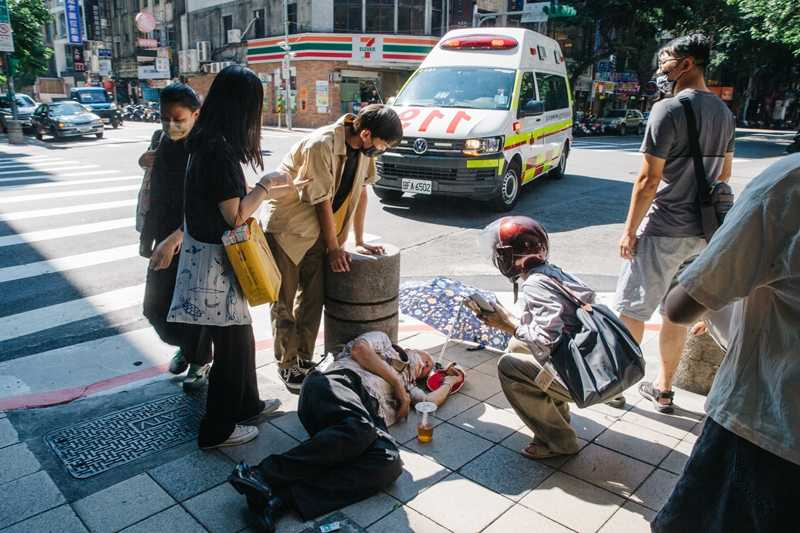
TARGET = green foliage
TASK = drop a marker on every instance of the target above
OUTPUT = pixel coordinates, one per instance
(776, 21)
(28, 18)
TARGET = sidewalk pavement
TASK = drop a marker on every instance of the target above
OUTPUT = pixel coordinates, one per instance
(471, 478)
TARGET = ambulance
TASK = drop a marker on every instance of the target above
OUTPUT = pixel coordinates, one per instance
(488, 111)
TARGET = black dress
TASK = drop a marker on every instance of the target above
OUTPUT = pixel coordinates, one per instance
(213, 177)
(164, 217)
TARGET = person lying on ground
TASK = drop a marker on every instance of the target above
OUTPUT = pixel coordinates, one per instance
(346, 409)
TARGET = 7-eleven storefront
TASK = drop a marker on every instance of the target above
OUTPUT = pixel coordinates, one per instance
(332, 74)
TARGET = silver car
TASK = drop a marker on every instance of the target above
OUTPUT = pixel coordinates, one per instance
(624, 121)
(25, 108)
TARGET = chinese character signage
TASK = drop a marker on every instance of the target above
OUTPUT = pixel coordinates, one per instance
(73, 15)
(94, 30)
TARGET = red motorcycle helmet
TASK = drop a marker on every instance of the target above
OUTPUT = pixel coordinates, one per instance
(516, 244)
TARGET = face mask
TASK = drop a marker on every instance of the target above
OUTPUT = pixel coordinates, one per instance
(371, 151)
(175, 131)
(665, 85)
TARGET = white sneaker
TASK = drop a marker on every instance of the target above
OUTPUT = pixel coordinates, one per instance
(240, 435)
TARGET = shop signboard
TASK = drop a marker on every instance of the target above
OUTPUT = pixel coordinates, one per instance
(72, 13)
(6, 35)
(322, 99)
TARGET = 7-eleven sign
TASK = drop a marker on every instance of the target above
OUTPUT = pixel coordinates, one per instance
(367, 48)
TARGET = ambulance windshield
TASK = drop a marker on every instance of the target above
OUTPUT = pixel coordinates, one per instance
(464, 87)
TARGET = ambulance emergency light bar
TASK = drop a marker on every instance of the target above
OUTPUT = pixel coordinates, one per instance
(480, 42)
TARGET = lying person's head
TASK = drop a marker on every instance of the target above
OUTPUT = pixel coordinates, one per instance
(419, 361)
(179, 109)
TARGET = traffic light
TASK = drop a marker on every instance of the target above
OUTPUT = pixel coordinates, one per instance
(556, 10)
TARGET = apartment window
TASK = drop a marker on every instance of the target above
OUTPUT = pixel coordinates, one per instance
(380, 16)
(437, 17)
(347, 16)
(260, 25)
(227, 24)
(411, 17)
(291, 16)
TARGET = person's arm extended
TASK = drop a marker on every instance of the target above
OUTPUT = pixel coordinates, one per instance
(682, 308)
(275, 184)
(727, 168)
(440, 395)
(339, 259)
(363, 354)
(644, 192)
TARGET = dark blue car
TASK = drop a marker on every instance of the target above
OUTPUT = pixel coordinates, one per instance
(100, 102)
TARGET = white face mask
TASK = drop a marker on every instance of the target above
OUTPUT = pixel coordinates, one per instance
(664, 84)
(175, 131)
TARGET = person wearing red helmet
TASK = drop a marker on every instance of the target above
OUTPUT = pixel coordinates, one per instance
(519, 247)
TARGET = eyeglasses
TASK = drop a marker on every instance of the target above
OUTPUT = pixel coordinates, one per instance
(665, 61)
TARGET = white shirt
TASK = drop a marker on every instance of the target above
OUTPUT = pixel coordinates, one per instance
(755, 257)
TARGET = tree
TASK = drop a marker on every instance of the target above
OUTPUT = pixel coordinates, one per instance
(776, 21)
(28, 17)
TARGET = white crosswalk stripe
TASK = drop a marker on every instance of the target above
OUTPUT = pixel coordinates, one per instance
(50, 176)
(68, 210)
(35, 164)
(70, 183)
(72, 262)
(67, 231)
(65, 194)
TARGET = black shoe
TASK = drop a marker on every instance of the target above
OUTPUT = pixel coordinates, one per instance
(292, 377)
(306, 366)
(248, 482)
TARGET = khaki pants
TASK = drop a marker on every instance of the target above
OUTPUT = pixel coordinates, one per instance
(297, 313)
(546, 413)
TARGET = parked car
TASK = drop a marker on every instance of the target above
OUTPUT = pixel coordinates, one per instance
(66, 119)
(25, 108)
(624, 121)
(100, 102)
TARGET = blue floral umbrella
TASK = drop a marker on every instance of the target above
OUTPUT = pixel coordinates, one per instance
(440, 303)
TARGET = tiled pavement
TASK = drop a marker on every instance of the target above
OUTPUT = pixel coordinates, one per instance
(470, 478)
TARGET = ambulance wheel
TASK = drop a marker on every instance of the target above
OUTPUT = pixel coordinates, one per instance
(387, 194)
(558, 172)
(510, 185)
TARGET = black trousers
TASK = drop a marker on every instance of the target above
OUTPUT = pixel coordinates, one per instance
(730, 485)
(232, 383)
(194, 341)
(350, 455)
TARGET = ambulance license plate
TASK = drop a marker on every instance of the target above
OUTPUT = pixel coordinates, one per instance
(417, 186)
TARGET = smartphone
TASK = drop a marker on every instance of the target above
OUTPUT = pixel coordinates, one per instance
(482, 302)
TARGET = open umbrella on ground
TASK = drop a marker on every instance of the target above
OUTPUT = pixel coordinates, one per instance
(441, 304)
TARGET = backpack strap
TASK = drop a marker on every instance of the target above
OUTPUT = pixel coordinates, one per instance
(703, 190)
(570, 294)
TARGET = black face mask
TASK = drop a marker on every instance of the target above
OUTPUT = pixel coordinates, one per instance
(371, 151)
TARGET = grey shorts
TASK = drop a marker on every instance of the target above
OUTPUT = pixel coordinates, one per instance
(645, 281)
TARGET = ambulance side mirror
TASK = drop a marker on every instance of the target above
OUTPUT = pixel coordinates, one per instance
(532, 108)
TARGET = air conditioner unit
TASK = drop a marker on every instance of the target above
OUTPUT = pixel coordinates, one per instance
(234, 36)
(203, 51)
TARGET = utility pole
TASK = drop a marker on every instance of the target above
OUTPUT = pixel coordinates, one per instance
(286, 72)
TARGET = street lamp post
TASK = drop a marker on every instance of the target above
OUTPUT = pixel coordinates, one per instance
(287, 65)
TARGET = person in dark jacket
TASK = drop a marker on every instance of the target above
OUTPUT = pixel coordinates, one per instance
(159, 238)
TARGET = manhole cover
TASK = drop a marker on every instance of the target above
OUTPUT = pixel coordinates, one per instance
(92, 447)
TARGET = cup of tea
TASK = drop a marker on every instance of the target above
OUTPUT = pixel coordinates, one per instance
(425, 412)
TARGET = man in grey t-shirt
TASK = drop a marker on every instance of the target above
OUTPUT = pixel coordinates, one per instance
(663, 228)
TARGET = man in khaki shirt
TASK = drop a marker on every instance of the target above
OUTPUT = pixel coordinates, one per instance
(306, 229)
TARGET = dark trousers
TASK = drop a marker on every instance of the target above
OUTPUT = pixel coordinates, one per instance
(349, 456)
(232, 383)
(730, 485)
(194, 342)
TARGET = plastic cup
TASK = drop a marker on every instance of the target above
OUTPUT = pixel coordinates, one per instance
(424, 423)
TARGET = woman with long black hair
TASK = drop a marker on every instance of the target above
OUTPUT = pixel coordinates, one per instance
(226, 135)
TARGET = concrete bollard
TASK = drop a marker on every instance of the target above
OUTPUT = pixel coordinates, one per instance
(364, 299)
(699, 363)
(14, 129)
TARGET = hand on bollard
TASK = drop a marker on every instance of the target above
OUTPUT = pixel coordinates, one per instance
(339, 259)
(369, 249)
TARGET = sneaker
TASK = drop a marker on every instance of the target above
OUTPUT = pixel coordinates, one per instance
(270, 406)
(240, 435)
(178, 364)
(306, 365)
(292, 377)
(197, 377)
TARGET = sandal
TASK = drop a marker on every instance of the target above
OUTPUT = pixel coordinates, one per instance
(538, 451)
(649, 391)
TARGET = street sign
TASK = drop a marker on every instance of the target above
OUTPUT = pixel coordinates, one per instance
(72, 13)
(535, 12)
(6, 33)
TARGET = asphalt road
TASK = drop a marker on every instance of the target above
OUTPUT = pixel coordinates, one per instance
(71, 279)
